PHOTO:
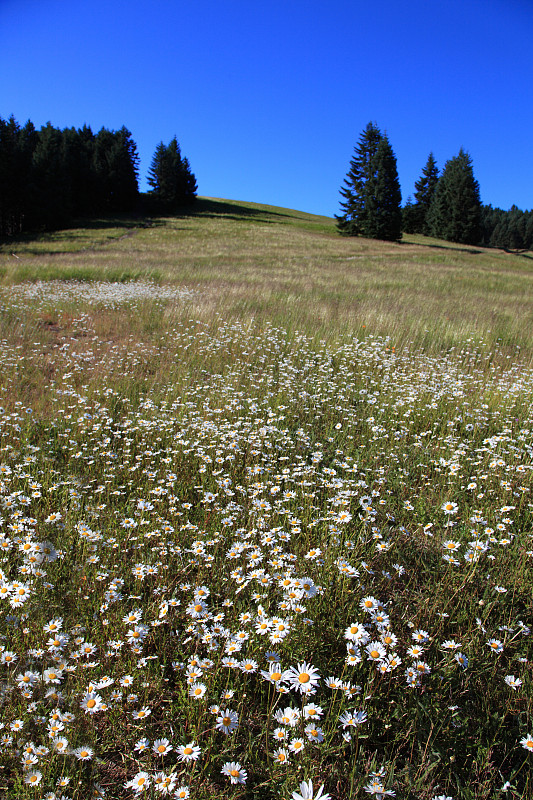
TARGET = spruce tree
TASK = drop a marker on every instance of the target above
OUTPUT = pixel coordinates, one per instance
(455, 211)
(410, 216)
(371, 190)
(173, 184)
(353, 219)
(425, 189)
(383, 217)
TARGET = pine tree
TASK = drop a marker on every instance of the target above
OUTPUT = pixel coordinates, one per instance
(353, 220)
(383, 215)
(371, 190)
(410, 216)
(425, 189)
(455, 211)
(173, 184)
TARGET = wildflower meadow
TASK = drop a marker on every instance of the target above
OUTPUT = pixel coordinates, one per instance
(242, 559)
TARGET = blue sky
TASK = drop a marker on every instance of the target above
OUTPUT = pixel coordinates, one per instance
(268, 99)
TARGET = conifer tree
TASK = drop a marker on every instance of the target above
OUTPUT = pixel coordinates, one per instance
(352, 221)
(383, 196)
(425, 189)
(410, 216)
(173, 184)
(371, 189)
(455, 211)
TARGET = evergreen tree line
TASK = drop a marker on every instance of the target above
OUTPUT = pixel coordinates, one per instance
(50, 177)
(446, 205)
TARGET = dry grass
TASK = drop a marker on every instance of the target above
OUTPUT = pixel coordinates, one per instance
(277, 264)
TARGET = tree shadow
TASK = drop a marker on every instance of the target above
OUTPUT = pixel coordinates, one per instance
(129, 223)
(213, 209)
(470, 250)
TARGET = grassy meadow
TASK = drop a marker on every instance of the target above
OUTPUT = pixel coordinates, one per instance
(265, 512)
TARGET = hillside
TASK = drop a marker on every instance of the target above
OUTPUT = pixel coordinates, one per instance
(263, 260)
(266, 513)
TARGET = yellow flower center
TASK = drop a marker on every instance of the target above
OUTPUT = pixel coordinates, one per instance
(187, 751)
(234, 773)
(303, 677)
(276, 676)
(91, 703)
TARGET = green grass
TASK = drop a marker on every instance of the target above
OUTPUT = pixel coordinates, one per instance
(278, 264)
(242, 404)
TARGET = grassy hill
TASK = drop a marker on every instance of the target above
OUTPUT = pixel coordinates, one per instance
(283, 264)
(265, 512)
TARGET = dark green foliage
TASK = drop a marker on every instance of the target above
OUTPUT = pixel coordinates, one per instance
(371, 190)
(173, 184)
(16, 178)
(424, 190)
(509, 230)
(410, 217)
(383, 197)
(51, 176)
(455, 211)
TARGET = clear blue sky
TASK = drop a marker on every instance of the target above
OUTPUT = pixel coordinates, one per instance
(267, 100)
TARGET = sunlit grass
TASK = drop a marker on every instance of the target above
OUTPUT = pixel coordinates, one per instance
(252, 457)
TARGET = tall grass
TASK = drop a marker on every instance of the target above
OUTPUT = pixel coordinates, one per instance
(277, 454)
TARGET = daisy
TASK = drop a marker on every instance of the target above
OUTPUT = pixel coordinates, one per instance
(227, 721)
(296, 745)
(527, 742)
(91, 703)
(304, 678)
(139, 783)
(235, 772)
(161, 747)
(197, 690)
(181, 793)
(142, 745)
(142, 713)
(164, 783)
(356, 633)
(275, 673)
(513, 682)
(248, 666)
(348, 719)
(60, 744)
(83, 753)
(311, 711)
(289, 716)
(314, 734)
(307, 793)
(375, 651)
(33, 778)
(462, 660)
(281, 756)
(188, 752)
(449, 508)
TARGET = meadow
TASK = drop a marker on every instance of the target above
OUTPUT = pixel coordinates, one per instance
(265, 513)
